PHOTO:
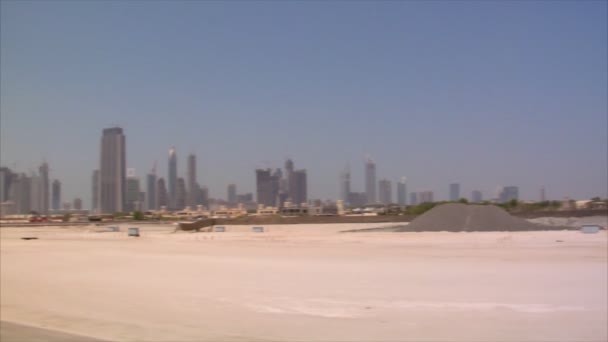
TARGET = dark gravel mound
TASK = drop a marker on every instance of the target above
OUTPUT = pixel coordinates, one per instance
(458, 217)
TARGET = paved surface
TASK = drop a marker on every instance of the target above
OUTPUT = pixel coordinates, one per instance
(13, 332)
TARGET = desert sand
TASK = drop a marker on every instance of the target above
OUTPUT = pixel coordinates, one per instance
(306, 282)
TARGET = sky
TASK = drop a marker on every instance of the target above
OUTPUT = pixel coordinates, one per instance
(482, 93)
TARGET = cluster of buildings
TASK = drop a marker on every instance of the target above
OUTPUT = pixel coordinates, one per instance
(33, 193)
(115, 188)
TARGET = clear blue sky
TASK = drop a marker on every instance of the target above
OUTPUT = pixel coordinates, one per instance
(483, 93)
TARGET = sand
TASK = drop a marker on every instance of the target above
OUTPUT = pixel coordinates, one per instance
(307, 282)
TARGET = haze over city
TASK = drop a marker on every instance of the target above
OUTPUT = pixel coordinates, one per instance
(498, 94)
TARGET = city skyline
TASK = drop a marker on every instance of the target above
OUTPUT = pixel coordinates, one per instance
(520, 105)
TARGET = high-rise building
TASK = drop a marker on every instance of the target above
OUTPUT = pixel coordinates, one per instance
(345, 186)
(112, 171)
(402, 192)
(204, 196)
(95, 192)
(180, 194)
(299, 192)
(508, 193)
(172, 179)
(192, 188)
(231, 194)
(542, 196)
(385, 193)
(264, 187)
(133, 189)
(454, 192)
(357, 199)
(151, 191)
(370, 181)
(56, 195)
(77, 203)
(6, 178)
(413, 198)
(425, 197)
(476, 196)
(45, 187)
(162, 197)
(35, 193)
(290, 181)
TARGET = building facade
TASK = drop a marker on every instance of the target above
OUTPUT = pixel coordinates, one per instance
(454, 192)
(385, 194)
(162, 196)
(370, 181)
(151, 192)
(231, 194)
(402, 192)
(264, 187)
(345, 186)
(172, 178)
(94, 192)
(192, 183)
(425, 197)
(112, 171)
(476, 196)
(508, 193)
(56, 195)
(299, 193)
(133, 189)
(180, 194)
(45, 187)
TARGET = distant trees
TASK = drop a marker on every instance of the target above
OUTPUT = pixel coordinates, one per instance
(138, 216)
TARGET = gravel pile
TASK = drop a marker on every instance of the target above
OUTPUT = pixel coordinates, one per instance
(457, 217)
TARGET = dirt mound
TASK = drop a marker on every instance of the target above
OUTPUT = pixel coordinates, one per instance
(458, 217)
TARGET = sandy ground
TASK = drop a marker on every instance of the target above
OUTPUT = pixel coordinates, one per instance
(305, 282)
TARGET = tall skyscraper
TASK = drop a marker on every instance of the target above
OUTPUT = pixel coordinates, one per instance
(300, 190)
(476, 196)
(204, 196)
(172, 179)
(180, 194)
(132, 196)
(112, 171)
(384, 191)
(264, 187)
(151, 191)
(95, 192)
(192, 188)
(56, 195)
(21, 193)
(45, 187)
(370, 181)
(231, 194)
(35, 193)
(290, 181)
(6, 178)
(162, 197)
(454, 192)
(345, 186)
(402, 191)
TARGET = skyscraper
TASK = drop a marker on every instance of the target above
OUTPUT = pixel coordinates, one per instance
(345, 186)
(231, 194)
(300, 190)
(95, 192)
(384, 191)
(413, 198)
(162, 197)
(192, 188)
(264, 187)
(151, 191)
(542, 196)
(476, 196)
(402, 192)
(204, 196)
(6, 178)
(290, 181)
(172, 179)
(454, 192)
(132, 196)
(45, 186)
(112, 170)
(370, 181)
(77, 203)
(35, 193)
(180, 194)
(56, 194)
